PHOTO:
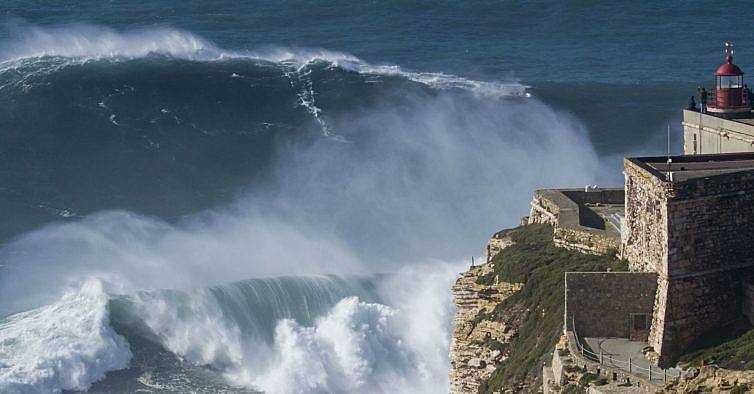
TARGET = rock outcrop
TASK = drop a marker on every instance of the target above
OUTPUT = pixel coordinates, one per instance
(711, 379)
(478, 343)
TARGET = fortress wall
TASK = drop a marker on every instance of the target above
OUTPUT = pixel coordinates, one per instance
(601, 303)
(711, 251)
(711, 224)
(694, 307)
(599, 196)
(644, 242)
(560, 208)
(659, 313)
(545, 210)
(585, 241)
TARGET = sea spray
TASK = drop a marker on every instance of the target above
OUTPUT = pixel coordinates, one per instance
(352, 348)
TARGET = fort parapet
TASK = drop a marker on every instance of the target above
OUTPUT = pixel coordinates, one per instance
(585, 220)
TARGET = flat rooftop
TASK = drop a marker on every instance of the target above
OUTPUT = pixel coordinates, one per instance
(696, 166)
(745, 118)
(748, 121)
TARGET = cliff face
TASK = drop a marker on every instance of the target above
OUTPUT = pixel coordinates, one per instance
(510, 311)
(478, 344)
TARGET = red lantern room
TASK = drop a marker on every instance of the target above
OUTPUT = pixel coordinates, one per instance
(731, 98)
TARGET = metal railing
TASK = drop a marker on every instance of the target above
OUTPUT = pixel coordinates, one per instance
(657, 374)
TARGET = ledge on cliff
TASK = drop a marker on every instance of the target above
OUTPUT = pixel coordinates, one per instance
(534, 260)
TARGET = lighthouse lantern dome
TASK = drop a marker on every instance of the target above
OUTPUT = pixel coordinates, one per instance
(730, 97)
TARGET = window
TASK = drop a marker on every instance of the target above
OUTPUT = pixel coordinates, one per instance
(639, 322)
(694, 143)
(729, 82)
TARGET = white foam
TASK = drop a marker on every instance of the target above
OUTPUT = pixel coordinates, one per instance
(192, 326)
(97, 42)
(366, 347)
(66, 345)
(355, 348)
(425, 317)
(305, 56)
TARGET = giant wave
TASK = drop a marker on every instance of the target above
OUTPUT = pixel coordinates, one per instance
(326, 165)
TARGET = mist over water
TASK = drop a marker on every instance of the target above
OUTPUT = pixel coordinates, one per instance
(330, 166)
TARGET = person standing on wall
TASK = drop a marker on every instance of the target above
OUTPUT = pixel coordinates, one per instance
(702, 99)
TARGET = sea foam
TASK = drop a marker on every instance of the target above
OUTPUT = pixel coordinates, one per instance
(66, 345)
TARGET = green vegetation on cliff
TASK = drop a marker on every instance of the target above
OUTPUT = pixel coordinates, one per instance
(534, 261)
(734, 350)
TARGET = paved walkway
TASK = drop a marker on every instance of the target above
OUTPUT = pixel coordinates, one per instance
(616, 351)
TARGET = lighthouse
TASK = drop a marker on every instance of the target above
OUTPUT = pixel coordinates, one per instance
(730, 98)
(724, 122)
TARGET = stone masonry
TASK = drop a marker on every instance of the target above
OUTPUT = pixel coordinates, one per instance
(645, 225)
(572, 213)
(601, 304)
(697, 234)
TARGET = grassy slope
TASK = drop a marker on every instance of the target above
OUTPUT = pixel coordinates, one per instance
(535, 261)
(735, 350)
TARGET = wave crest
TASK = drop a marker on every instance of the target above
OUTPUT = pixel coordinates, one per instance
(83, 42)
(96, 42)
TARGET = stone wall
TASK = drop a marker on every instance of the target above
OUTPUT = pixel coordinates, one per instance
(600, 303)
(698, 235)
(690, 307)
(644, 242)
(546, 210)
(564, 209)
(585, 240)
(711, 224)
(748, 303)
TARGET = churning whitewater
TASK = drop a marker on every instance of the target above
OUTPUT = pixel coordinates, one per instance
(289, 220)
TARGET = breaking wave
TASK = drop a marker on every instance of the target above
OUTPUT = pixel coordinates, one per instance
(81, 43)
(310, 168)
(279, 335)
(65, 345)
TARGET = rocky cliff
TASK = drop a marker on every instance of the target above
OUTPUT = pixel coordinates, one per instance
(510, 311)
(478, 343)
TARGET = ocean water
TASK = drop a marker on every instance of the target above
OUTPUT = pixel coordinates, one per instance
(277, 197)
